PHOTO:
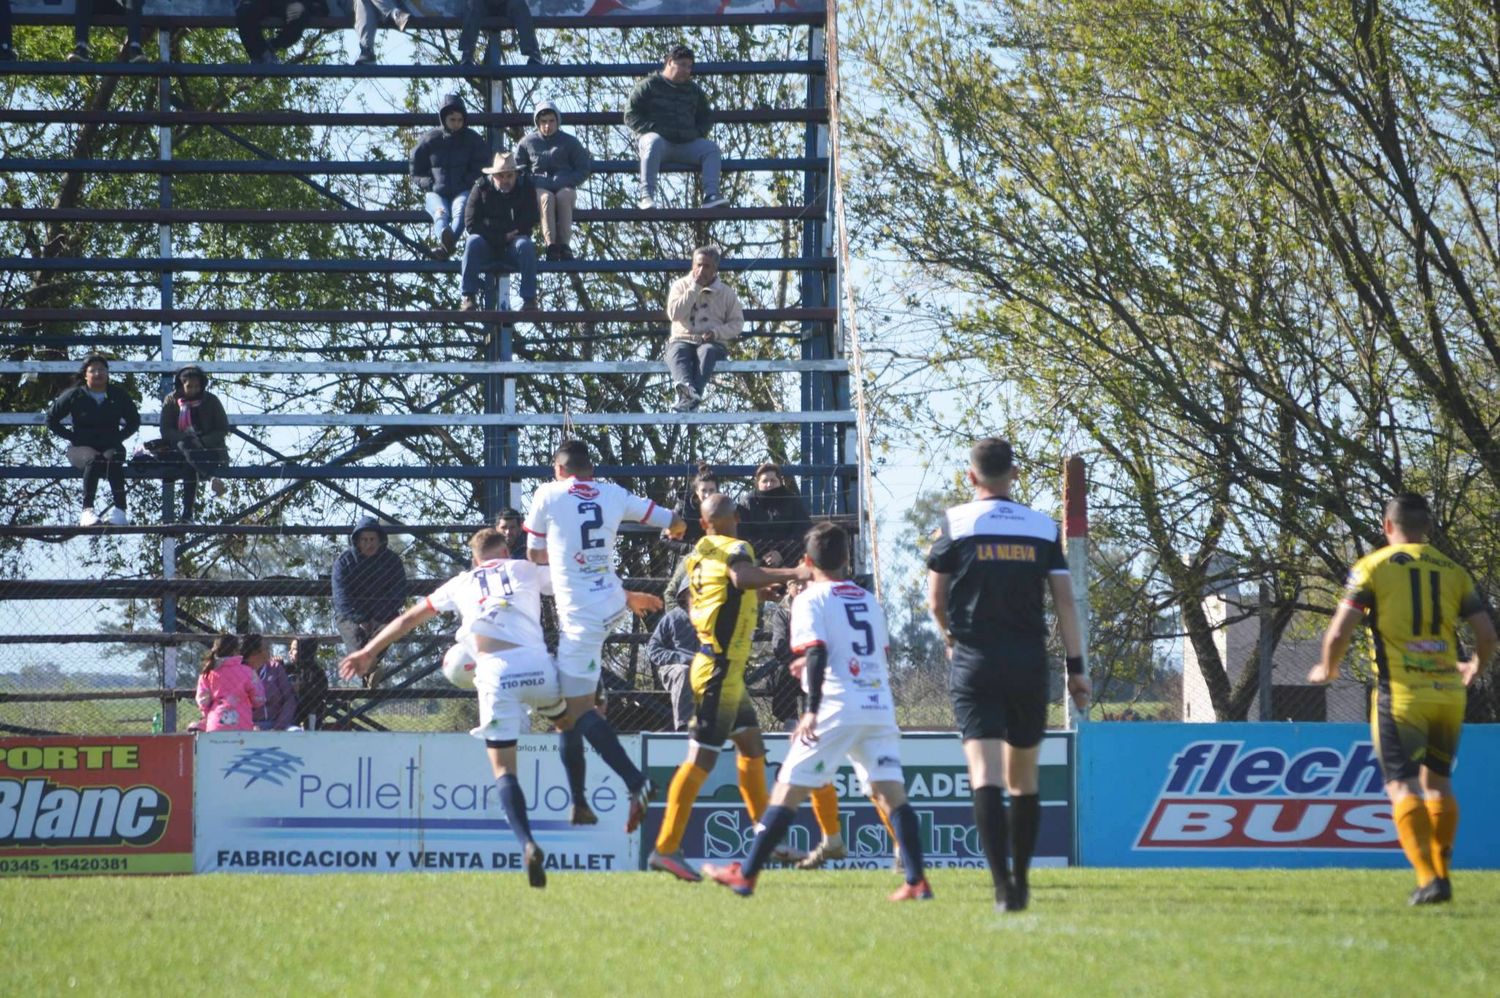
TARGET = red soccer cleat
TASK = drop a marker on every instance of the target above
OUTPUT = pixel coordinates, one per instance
(639, 801)
(731, 877)
(918, 891)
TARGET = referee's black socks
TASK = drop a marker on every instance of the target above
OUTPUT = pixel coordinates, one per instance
(1025, 819)
(989, 818)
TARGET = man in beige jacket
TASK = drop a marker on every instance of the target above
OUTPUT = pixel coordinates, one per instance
(706, 317)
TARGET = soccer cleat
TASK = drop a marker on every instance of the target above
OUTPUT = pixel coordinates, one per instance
(715, 201)
(584, 815)
(675, 864)
(1445, 889)
(1429, 893)
(787, 855)
(536, 870)
(117, 517)
(1015, 897)
(829, 849)
(732, 877)
(918, 891)
(88, 518)
(638, 802)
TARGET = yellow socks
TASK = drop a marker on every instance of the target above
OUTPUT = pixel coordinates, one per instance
(1414, 829)
(752, 773)
(825, 803)
(1442, 812)
(686, 783)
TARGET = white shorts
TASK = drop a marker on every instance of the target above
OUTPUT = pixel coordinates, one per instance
(508, 682)
(580, 649)
(873, 749)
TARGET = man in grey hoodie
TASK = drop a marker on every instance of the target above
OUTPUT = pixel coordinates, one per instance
(670, 117)
(445, 165)
(558, 164)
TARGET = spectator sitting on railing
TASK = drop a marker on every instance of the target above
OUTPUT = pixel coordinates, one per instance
(369, 587)
(279, 704)
(309, 680)
(445, 165)
(774, 517)
(83, 15)
(558, 165)
(102, 418)
(515, 11)
(228, 692)
(7, 42)
(670, 118)
(706, 317)
(371, 14)
(499, 218)
(195, 428)
(293, 15)
(671, 648)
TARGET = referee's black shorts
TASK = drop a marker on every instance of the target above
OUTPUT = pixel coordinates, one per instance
(1000, 691)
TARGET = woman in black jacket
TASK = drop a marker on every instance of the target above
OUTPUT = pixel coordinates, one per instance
(100, 417)
(195, 429)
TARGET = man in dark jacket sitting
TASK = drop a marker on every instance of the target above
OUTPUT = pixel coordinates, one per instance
(774, 517)
(96, 417)
(195, 429)
(670, 117)
(445, 165)
(500, 217)
(369, 587)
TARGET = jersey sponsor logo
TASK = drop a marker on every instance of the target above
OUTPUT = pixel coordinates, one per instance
(37, 812)
(848, 590)
(990, 551)
(854, 667)
(583, 490)
(1221, 795)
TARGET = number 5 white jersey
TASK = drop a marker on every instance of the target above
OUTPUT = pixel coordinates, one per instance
(850, 624)
(576, 520)
(499, 599)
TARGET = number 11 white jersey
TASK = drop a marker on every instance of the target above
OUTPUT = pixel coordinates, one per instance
(850, 624)
(575, 520)
(499, 599)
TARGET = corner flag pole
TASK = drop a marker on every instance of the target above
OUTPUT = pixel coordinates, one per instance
(1076, 532)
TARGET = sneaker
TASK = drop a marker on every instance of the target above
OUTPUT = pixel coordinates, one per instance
(88, 518)
(552, 254)
(366, 57)
(918, 891)
(687, 399)
(714, 201)
(441, 252)
(565, 253)
(730, 876)
(80, 53)
(830, 848)
(468, 304)
(217, 484)
(674, 864)
(131, 52)
(1429, 893)
(449, 239)
(536, 870)
(400, 18)
(584, 815)
(646, 202)
(117, 517)
(534, 60)
(638, 802)
(787, 855)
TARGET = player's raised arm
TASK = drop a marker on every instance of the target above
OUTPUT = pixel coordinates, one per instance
(360, 662)
(748, 575)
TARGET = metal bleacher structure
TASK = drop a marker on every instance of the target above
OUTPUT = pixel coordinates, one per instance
(353, 384)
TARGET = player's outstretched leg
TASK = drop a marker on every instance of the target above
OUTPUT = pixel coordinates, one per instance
(1442, 812)
(909, 836)
(740, 877)
(576, 767)
(686, 782)
(604, 740)
(513, 800)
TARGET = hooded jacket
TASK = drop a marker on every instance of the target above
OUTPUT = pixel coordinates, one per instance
(447, 163)
(555, 162)
(368, 589)
(775, 518)
(209, 420)
(678, 112)
(100, 425)
(492, 212)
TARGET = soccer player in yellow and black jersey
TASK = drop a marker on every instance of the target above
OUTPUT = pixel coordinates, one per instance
(722, 579)
(1413, 597)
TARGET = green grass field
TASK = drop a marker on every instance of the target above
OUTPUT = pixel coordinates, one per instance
(1169, 932)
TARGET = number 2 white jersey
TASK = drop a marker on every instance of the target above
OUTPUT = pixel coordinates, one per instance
(501, 599)
(576, 520)
(850, 624)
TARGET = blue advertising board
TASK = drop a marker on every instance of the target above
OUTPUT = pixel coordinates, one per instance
(1262, 795)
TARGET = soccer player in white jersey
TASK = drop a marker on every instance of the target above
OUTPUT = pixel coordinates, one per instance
(571, 528)
(839, 629)
(500, 601)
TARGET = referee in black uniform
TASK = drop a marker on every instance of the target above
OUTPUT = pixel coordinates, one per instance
(986, 574)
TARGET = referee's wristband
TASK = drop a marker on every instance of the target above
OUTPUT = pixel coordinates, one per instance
(1075, 665)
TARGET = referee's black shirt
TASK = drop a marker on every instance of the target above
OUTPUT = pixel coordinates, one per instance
(998, 554)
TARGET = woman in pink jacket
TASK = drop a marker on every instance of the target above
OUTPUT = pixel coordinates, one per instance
(228, 689)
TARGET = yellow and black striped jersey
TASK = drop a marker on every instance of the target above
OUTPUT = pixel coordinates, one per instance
(723, 614)
(1413, 597)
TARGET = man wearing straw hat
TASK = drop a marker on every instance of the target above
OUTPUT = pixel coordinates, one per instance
(499, 219)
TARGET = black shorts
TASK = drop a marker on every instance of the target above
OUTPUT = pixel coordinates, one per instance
(1001, 692)
(721, 704)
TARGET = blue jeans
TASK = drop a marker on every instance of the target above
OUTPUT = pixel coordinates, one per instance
(516, 11)
(446, 213)
(692, 364)
(479, 256)
(702, 153)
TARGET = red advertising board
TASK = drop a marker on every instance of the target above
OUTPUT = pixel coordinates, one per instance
(96, 805)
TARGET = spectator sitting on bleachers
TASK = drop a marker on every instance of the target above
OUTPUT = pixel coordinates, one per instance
(670, 118)
(774, 517)
(309, 680)
(558, 164)
(228, 692)
(101, 418)
(514, 11)
(671, 649)
(83, 15)
(194, 428)
(371, 14)
(293, 15)
(706, 316)
(445, 165)
(369, 587)
(7, 42)
(704, 484)
(499, 218)
(279, 708)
